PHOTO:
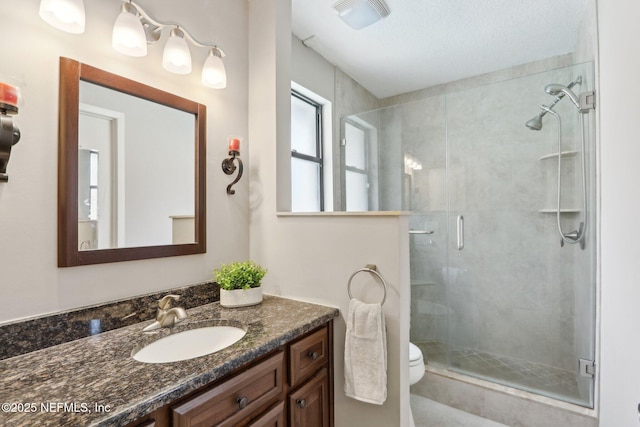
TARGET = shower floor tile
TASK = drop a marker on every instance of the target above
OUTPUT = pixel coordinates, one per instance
(516, 373)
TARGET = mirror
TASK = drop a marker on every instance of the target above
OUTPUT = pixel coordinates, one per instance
(428, 52)
(131, 170)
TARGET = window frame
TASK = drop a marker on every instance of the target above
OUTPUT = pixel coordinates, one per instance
(367, 160)
(318, 158)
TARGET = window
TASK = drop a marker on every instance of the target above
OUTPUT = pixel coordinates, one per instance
(93, 185)
(307, 181)
(356, 174)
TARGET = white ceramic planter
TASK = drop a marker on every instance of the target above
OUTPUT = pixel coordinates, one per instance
(240, 297)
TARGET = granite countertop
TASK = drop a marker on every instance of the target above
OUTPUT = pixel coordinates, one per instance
(94, 381)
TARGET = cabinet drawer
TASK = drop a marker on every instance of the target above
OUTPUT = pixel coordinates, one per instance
(273, 418)
(227, 403)
(308, 355)
(309, 405)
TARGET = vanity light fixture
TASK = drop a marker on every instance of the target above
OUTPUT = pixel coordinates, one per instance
(176, 57)
(227, 164)
(9, 133)
(128, 35)
(134, 29)
(213, 72)
(411, 163)
(361, 13)
(65, 15)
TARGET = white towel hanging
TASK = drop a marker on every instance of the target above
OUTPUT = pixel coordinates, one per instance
(365, 355)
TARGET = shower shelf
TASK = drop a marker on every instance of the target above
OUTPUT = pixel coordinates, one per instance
(418, 282)
(571, 153)
(553, 210)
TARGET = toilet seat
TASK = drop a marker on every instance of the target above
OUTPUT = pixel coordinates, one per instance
(415, 355)
(416, 370)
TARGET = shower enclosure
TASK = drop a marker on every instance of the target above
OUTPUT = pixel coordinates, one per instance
(496, 293)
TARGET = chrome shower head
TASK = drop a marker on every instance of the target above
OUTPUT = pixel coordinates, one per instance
(559, 92)
(556, 89)
(535, 123)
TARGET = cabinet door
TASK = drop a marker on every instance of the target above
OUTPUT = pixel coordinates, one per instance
(273, 418)
(236, 399)
(309, 405)
(307, 356)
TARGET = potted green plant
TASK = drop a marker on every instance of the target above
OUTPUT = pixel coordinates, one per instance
(240, 283)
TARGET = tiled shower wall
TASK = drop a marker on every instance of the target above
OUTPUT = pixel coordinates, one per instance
(512, 290)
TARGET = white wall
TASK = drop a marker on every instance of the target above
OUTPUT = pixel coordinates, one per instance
(311, 257)
(31, 282)
(620, 203)
(311, 70)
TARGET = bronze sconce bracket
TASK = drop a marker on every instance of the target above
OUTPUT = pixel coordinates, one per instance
(229, 168)
(9, 136)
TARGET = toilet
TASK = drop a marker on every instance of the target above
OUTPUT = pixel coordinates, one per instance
(416, 364)
(416, 371)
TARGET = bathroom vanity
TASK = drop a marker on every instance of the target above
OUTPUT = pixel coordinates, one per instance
(279, 374)
(291, 383)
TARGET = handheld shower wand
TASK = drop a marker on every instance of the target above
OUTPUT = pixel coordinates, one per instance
(556, 89)
(536, 122)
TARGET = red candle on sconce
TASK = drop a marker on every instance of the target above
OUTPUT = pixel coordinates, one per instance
(9, 132)
(9, 98)
(234, 144)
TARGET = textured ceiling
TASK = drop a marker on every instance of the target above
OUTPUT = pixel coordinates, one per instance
(428, 42)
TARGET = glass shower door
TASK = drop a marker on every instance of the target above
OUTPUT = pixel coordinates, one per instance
(521, 306)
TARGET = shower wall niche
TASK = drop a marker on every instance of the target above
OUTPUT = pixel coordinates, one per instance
(512, 306)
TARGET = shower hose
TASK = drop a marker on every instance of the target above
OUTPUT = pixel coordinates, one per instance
(575, 236)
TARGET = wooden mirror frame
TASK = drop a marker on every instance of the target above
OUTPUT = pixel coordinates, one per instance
(71, 73)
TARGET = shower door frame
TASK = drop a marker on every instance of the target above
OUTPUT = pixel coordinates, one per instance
(456, 290)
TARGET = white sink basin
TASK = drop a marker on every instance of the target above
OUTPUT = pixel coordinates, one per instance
(189, 344)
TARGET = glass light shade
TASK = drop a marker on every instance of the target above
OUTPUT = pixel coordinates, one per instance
(65, 15)
(128, 35)
(214, 74)
(176, 56)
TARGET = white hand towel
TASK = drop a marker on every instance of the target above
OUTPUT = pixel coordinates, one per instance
(365, 353)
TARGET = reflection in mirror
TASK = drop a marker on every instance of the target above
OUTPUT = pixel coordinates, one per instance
(360, 166)
(138, 189)
(134, 202)
(360, 85)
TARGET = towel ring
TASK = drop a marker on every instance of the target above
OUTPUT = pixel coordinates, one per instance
(373, 270)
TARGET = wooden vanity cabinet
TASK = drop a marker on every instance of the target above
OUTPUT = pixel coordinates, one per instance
(290, 387)
(237, 400)
(309, 404)
(310, 400)
(273, 418)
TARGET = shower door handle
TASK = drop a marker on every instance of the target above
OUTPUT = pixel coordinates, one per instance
(460, 228)
(421, 231)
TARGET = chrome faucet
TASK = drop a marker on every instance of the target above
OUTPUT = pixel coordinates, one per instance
(167, 316)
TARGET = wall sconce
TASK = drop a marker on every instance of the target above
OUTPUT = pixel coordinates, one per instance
(229, 167)
(134, 29)
(9, 133)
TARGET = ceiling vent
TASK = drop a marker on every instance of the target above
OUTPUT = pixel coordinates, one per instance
(361, 13)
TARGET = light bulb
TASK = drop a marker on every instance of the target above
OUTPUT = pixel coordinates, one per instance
(128, 33)
(214, 74)
(176, 56)
(65, 15)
